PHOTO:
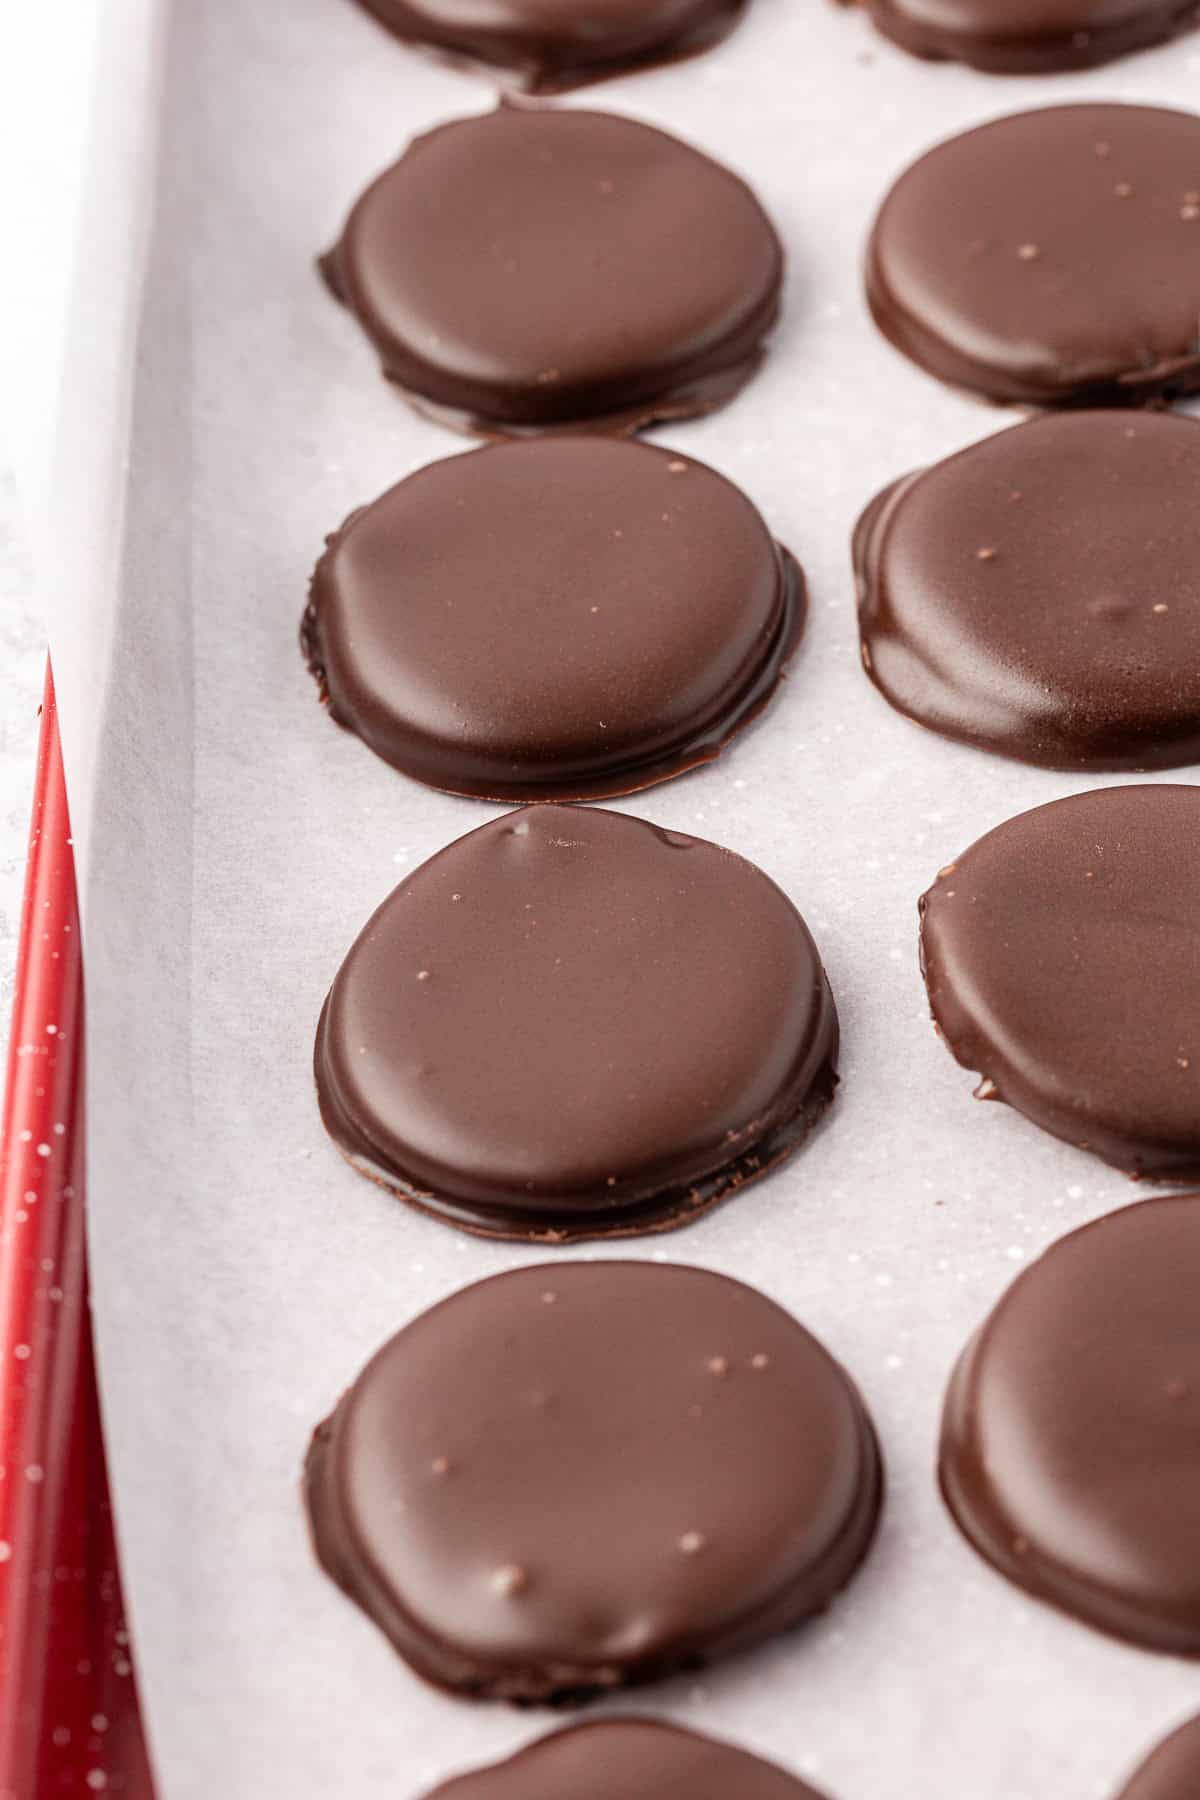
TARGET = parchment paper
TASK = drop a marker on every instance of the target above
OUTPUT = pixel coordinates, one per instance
(235, 841)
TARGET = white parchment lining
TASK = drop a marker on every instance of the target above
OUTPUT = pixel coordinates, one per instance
(234, 841)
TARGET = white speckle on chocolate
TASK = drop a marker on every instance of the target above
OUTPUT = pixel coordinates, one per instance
(509, 1579)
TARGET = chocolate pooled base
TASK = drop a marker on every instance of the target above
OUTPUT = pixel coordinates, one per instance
(571, 1024)
(1042, 37)
(549, 48)
(628, 1759)
(666, 1210)
(569, 620)
(535, 270)
(566, 1480)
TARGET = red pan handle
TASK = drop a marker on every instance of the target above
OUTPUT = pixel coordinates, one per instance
(69, 1717)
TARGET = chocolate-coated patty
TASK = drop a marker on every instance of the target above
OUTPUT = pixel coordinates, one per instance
(547, 46)
(567, 1479)
(1029, 37)
(1062, 959)
(533, 269)
(1050, 257)
(561, 618)
(1070, 1451)
(572, 1023)
(628, 1759)
(1039, 593)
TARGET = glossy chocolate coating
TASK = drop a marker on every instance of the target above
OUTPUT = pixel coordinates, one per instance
(1029, 37)
(567, 618)
(548, 46)
(571, 1023)
(1070, 1452)
(533, 269)
(1051, 257)
(1062, 958)
(1039, 593)
(1172, 1772)
(628, 1759)
(573, 1478)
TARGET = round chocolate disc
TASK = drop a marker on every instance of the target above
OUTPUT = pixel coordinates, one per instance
(1030, 37)
(1062, 958)
(1171, 1773)
(551, 45)
(1070, 1452)
(628, 1759)
(1050, 257)
(571, 1022)
(575, 269)
(566, 1479)
(1039, 593)
(571, 618)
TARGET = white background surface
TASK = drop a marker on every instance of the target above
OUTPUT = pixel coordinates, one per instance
(54, 58)
(237, 841)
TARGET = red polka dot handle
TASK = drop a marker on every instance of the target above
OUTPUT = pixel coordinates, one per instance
(69, 1717)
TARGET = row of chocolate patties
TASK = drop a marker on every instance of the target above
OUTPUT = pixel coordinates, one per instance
(546, 46)
(528, 1037)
